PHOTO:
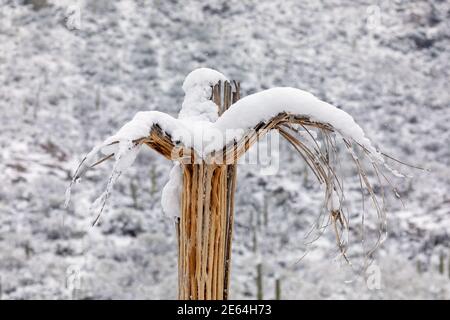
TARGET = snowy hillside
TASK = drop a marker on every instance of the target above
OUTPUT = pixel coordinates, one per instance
(73, 72)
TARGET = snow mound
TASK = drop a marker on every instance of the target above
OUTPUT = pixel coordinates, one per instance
(202, 77)
(197, 105)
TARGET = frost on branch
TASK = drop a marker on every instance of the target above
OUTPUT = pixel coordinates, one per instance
(297, 115)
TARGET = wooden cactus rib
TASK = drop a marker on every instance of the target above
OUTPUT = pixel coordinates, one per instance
(230, 97)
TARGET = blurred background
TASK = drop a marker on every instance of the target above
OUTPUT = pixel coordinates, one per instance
(73, 72)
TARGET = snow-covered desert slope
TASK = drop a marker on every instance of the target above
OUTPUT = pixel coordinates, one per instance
(71, 76)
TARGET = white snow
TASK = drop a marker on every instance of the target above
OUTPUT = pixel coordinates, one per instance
(139, 127)
(171, 193)
(334, 201)
(203, 78)
(197, 105)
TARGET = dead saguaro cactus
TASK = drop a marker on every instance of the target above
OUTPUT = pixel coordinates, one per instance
(205, 228)
(214, 128)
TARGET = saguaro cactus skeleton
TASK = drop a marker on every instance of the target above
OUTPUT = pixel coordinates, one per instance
(206, 168)
(205, 229)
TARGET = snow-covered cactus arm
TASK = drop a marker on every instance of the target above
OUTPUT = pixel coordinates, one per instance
(147, 127)
(299, 116)
(151, 128)
(286, 105)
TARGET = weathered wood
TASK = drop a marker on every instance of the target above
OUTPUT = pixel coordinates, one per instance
(205, 229)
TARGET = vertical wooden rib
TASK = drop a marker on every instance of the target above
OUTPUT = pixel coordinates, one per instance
(180, 280)
(231, 188)
(217, 97)
(199, 231)
(222, 233)
(192, 233)
(187, 232)
(214, 233)
(206, 226)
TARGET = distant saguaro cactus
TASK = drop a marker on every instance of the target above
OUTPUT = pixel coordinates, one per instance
(37, 4)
